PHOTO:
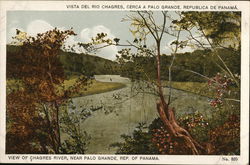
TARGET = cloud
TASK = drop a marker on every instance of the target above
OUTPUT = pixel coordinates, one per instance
(71, 41)
(34, 27)
(108, 53)
(38, 26)
(88, 33)
(41, 26)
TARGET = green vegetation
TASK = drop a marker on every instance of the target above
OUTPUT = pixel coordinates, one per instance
(200, 88)
(94, 87)
(139, 143)
(155, 139)
(88, 65)
(79, 64)
(188, 67)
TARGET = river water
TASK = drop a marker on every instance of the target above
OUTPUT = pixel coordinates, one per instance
(119, 112)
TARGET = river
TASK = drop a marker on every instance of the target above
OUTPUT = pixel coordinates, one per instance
(119, 112)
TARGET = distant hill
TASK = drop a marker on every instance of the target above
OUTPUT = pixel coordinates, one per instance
(78, 64)
(87, 64)
(204, 62)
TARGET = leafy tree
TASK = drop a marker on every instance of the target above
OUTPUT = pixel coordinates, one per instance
(33, 110)
(215, 30)
(219, 33)
(219, 29)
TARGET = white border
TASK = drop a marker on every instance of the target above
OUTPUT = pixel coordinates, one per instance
(243, 6)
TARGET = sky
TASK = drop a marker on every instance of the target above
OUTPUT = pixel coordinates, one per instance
(86, 24)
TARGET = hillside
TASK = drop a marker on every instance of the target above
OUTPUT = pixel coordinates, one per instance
(75, 64)
(204, 62)
(87, 64)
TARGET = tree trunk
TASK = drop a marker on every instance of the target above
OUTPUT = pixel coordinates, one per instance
(58, 124)
(56, 127)
(168, 117)
(50, 117)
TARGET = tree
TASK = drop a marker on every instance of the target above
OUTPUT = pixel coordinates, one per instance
(34, 114)
(216, 30)
(145, 25)
(219, 33)
(166, 113)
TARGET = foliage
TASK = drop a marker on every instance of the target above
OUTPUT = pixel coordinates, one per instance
(226, 137)
(197, 125)
(137, 66)
(221, 28)
(226, 100)
(87, 65)
(220, 32)
(225, 33)
(34, 116)
(222, 85)
(138, 143)
(74, 145)
(75, 64)
(27, 129)
(203, 62)
(77, 139)
(155, 139)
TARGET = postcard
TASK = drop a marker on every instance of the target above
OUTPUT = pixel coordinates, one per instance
(124, 82)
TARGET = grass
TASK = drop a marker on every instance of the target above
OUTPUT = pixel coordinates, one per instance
(200, 88)
(93, 88)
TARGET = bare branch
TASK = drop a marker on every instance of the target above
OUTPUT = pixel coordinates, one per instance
(147, 25)
(191, 35)
(170, 67)
(151, 18)
(163, 26)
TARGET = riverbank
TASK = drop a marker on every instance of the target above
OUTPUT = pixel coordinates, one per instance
(94, 87)
(199, 88)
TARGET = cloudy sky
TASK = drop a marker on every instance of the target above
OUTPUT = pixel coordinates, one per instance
(85, 24)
